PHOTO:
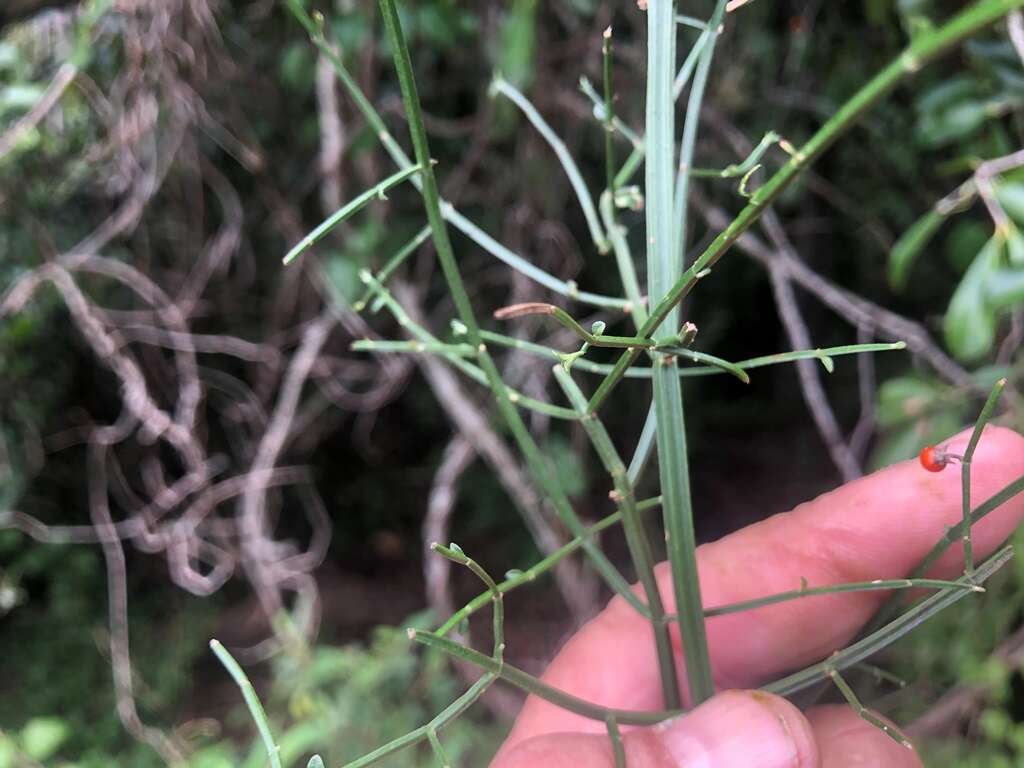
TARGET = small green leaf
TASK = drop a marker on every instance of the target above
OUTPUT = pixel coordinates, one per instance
(1015, 247)
(910, 245)
(1004, 288)
(1010, 195)
(970, 322)
(513, 573)
(42, 737)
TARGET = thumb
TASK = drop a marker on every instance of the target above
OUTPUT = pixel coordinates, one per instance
(735, 729)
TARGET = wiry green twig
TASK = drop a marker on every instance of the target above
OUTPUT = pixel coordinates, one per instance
(389, 268)
(636, 537)
(888, 634)
(375, 193)
(517, 578)
(878, 585)
(866, 714)
(838, 661)
(252, 701)
(618, 750)
(509, 91)
(965, 470)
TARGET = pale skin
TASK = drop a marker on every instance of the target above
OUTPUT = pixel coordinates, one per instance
(878, 527)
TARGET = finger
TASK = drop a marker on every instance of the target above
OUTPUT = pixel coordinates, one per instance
(736, 729)
(877, 527)
(847, 741)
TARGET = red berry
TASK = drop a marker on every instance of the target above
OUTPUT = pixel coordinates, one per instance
(933, 459)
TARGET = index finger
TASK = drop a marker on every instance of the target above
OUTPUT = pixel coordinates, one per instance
(877, 527)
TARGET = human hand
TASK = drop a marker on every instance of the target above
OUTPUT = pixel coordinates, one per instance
(877, 527)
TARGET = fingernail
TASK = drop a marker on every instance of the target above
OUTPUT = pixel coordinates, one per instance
(740, 728)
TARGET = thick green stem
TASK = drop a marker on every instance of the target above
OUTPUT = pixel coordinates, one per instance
(636, 536)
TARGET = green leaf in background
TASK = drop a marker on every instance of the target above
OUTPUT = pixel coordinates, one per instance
(1010, 195)
(905, 399)
(970, 321)
(965, 238)
(1004, 288)
(42, 737)
(517, 40)
(914, 411)
(949, 111)
(1015, 247)
(910, 245)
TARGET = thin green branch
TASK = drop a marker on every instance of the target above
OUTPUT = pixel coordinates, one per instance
(451, 353)
(751, 162)
(595, 339)
(615, 737)
(515, 579)
(618, 126)
(838, 661)
(389, 268)
(965, 470)
(877, 585)
(867, 715)
(252, 701)
(509, 91)
(443, 718)
(609, 113)
(374, 193)
(636, 536)
(530, 684)
(691, 123)
(888, 634)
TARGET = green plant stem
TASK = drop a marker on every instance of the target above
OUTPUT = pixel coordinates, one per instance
(530, 684)
(439, 753)
(513, 94)
(252, 701)
(616, 739)
(568, 321)
(888, 634)
(857, 586)
(539, 467)
(357, 204)
(840, 660)
(636, 536)
(443, 718)
(952, 535)
(662, 270)
(691, 124)
(965, 470)
(739, 169)
(867, 715)
(609, 113)
(540, 568)
(623, 258)
(924, 49)
(389, 268)
(452, 353)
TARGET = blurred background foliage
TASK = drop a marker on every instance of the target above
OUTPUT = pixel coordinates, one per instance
(230, 144)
